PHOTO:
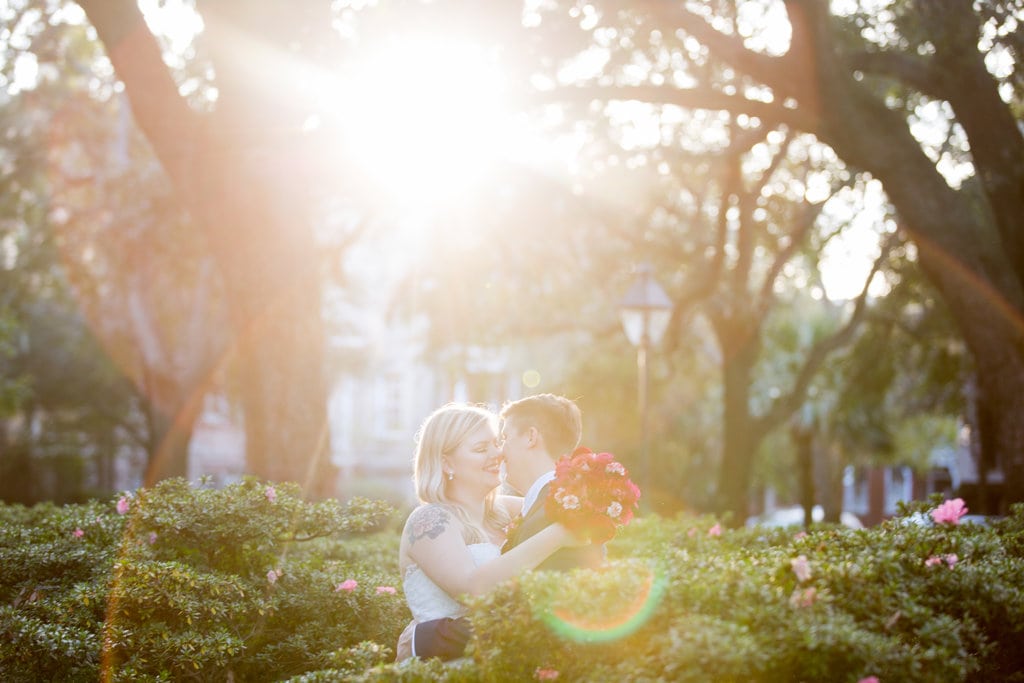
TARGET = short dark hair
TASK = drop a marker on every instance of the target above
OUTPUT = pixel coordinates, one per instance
(557, 418)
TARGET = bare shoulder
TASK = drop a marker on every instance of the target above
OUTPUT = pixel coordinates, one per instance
(513, 505)
(428, 521)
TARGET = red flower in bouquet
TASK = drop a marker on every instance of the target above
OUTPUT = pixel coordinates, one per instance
(592, 495)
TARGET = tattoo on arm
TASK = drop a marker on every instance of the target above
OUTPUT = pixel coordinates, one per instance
(430, 521)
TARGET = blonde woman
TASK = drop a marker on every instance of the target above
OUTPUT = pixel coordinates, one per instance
(451, 544)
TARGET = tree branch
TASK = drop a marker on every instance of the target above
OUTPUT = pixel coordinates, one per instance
(784, 406)
(160, 111)
(908, 70)
(772, 114)
(775, 72)
(808, 217)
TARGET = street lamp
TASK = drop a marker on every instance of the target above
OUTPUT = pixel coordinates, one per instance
(645, 311)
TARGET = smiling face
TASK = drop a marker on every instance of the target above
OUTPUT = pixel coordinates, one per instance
(516, 447)
(476, 461)
(537, 430)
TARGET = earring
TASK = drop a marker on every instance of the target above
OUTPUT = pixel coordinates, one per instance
(451, 475)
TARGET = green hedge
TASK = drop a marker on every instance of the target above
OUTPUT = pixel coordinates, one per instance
(733, 608)
(180, 586)
(194, 583)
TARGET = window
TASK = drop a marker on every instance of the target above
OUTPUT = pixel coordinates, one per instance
(899, 486)
(388, 406)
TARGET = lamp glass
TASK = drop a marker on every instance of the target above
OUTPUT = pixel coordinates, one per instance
(658, 323)
(633, 323)
(645, 309)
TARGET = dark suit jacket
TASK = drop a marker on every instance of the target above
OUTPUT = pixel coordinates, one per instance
(587, 556)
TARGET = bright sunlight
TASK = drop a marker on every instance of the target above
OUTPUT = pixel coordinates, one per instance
(426, 118)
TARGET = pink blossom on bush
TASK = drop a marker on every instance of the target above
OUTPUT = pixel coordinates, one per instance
(801, 567)
(386, 589)
(273, 575)
(123, 505)
(950, 559)
(545, 674)
(800, 534)
(78, 533)
(691, 532)
(716, 530)
(803, 598)
(271, 494)
(869, 679)
(348, 585)
(152, 537)
(949, 512)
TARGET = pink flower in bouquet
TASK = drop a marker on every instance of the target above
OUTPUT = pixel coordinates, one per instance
(123, 505)
(348, 585)
(545, 674)
(569, 501)
(592, 495)
(271, 494)
(716, 530)
(801, 567)
(950, 512)
(390, 590)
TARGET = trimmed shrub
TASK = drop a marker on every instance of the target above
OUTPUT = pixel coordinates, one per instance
(252, 583)
(192, 582)
(768, 605)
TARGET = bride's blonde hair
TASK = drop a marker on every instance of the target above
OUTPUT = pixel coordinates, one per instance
(442, 432)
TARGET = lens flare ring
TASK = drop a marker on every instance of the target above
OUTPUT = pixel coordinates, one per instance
(587, 629)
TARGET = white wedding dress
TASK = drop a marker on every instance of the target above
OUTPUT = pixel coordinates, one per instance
(427, 600)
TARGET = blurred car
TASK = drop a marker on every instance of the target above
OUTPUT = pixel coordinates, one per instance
(794, 516)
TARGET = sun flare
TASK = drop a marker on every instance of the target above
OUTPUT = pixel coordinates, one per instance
(426, 118)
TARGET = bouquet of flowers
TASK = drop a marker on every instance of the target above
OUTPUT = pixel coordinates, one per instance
(592, 495)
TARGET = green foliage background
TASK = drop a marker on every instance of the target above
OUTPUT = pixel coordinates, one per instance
(179, 588)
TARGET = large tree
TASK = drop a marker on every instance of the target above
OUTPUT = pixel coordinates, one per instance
(862, 79)
(239, 167)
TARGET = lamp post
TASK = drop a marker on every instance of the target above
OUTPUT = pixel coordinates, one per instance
(645, 311)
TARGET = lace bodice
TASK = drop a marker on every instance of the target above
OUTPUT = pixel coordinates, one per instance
(426, 599)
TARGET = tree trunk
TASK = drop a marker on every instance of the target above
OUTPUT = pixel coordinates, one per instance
(965, 246)
(740, 438)
(239, 176)
(829, 458)
(266, 252)
(170, 426)
(983, 294)
(994, 338)
(803, 439)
